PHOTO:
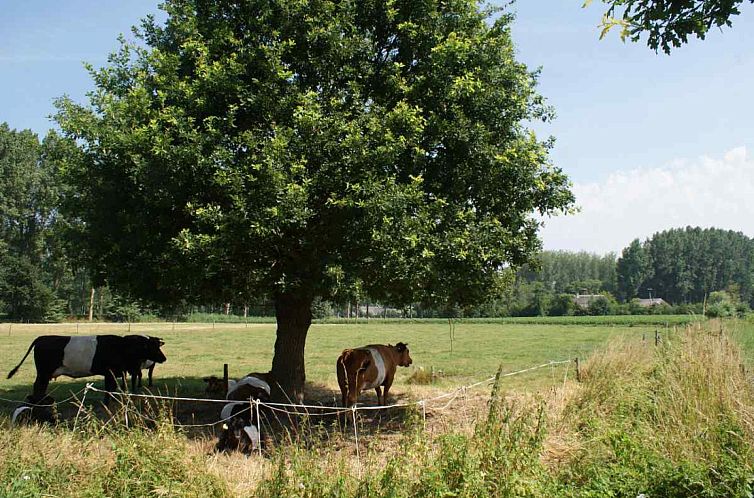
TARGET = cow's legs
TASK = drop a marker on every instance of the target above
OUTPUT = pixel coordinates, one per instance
(151, 371)
(388, 383)
(378, 390)
(40, 387)
(111, 385)
(136, 379)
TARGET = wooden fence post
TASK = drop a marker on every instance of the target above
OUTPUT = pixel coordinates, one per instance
(578, 370)
(657, 337)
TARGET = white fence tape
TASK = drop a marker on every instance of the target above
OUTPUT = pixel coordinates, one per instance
(331, 410)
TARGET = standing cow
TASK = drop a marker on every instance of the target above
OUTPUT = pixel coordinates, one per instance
(81, 356)
(370, 367)
(145, 365)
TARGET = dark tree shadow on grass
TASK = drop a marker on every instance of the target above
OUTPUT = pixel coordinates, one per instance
(199, 419)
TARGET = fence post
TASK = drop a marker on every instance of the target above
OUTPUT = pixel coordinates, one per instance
(356, 439)
(259, 426)
(225, 376)
(657, 337)
(10, 327)
(578, 370)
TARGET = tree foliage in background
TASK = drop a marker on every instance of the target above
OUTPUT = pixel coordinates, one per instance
(294, 148)
(32, 271)
(667, 23)
(688, 264)
(632, 269)
(572, 272)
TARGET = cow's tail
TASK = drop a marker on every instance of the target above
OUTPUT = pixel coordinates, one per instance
(13, 372)
(352, 380)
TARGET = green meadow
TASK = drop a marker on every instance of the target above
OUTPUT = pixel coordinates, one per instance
(466, 353)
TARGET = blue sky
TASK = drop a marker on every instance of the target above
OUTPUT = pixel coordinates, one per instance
(650, 141)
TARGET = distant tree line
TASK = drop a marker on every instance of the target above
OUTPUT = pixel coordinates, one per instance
(692, 269)
(43, 273)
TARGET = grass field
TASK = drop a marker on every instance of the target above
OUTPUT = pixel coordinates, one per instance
(672, 420)
(197, 350)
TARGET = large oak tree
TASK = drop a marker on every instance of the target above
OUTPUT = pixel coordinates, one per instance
(289, 148)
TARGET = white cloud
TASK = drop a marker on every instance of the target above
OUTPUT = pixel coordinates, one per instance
(707, 192)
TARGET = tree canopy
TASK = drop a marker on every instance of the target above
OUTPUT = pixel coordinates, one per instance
(293, 148)
(668, 23)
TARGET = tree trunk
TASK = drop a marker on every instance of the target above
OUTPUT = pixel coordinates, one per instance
(294, 316)
(91, 305)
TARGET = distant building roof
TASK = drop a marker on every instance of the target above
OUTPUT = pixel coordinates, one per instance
(655, 301)
(584, 300)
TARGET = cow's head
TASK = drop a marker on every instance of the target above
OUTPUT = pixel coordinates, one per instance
(404, 359)
(215, 385)
(235, 437)
(152, 349)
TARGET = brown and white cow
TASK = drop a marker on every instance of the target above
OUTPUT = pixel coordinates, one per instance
(370, 367)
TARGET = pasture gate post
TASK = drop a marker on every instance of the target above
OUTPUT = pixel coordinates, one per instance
(578, 369)
(225, 376)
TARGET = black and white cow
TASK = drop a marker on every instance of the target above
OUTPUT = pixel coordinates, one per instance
(81, 356)
(240, 430)
(145, 365)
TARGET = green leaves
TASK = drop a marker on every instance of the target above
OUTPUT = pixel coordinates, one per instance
(667, 24)
(311, 146)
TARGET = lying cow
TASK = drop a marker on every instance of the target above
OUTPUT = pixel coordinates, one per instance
(370, 367)
(215, 386)
(81, 356)
(43, 411)
(253, 386)
(240, 426)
